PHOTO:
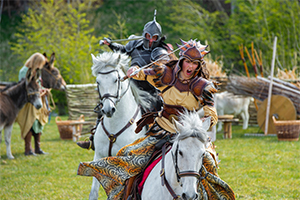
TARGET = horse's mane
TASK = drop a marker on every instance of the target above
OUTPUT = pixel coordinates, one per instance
(9, 86)
(142, 97)
(192, 127)
(110, 58)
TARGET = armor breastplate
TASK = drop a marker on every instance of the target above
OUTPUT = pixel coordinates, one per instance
(195, 86)
(140, 57)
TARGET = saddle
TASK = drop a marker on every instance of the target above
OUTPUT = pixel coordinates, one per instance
(132, 185)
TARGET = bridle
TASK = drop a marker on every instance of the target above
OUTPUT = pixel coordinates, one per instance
(108, 96)
(113, 137)
(31, 93)
(59, 77)
(179, 173)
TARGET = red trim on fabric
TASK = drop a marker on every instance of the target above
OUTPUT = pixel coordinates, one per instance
(147, 172)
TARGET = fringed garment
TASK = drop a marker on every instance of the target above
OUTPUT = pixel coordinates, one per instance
(112, 172)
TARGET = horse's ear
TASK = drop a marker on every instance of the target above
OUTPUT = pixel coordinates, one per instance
(45, 54)
(206, 123)
(118, 60)
(93, 58)
(177, 125)
(52, 58)
(38, 73)
(28, 76)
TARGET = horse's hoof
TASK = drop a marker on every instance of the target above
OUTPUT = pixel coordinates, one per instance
(10, 157)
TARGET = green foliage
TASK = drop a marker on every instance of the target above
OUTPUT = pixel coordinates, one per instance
(9, 63)
(260, 22)
(251, 21)
(61, 28)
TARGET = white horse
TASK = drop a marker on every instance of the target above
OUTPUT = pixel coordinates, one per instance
(181, 164)
(227, 103)
(118, 105)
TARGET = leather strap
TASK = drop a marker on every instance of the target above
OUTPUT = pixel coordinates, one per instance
(113, 137)
(164, 181)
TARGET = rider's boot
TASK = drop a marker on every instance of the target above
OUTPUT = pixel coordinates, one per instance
(37, 144)
(28, 150)
(88, 144)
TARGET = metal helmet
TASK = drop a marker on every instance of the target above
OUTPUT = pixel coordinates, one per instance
(152, 28)
(194, 51)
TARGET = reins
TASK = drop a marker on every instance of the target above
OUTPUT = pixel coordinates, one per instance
(179, 173)
(56, 78)
(113, 137)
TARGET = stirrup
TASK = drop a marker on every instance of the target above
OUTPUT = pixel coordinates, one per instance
(88, 139)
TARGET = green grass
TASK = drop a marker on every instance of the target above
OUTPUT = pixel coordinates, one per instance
(255, 167)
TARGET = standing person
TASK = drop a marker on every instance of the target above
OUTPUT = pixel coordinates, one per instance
(142, 52)
(30, 119)
(184, 85)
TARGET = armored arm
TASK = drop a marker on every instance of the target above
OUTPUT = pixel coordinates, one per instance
(204, 90)
(117, 47)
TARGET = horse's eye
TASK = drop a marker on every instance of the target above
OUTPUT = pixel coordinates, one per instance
(180, 153)
(54, 72)
(116, 80)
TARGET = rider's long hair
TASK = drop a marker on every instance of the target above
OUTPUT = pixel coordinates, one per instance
(36, 61)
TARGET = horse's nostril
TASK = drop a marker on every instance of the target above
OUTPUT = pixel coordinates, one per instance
(113, 110)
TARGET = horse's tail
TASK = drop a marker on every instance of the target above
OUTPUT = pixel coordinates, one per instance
(150, 101)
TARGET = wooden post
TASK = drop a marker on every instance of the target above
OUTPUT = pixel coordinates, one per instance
(270, 87)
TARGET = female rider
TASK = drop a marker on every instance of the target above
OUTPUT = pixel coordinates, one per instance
(184, 85)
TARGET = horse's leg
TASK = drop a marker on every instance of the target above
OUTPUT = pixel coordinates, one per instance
(0, 138)
(220, 124)
(245, 116)
(97, 156)
(94, 190)
(7, 136)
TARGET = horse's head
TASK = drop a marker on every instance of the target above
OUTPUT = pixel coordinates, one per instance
(33, 89)
(51, 76)
(108, 68)
(188, 151)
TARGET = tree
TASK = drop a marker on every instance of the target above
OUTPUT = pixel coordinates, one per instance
(250, 21)
(55, 26)
(260, 22)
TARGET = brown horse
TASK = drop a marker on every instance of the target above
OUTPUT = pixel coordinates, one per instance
(51, 77)
(12, 100)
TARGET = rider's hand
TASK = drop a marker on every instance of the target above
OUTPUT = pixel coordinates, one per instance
(105, 41)
(131, 70)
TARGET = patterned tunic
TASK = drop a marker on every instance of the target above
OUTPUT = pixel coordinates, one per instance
(112, 172)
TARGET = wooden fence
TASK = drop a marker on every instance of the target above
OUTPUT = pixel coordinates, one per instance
(83, 98)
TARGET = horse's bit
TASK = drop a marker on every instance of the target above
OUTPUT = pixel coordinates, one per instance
(108, 96)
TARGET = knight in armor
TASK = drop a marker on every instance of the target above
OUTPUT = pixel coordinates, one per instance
(142, 52)
(184, 85)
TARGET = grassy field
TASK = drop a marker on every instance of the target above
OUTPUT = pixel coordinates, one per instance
(255, 167)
